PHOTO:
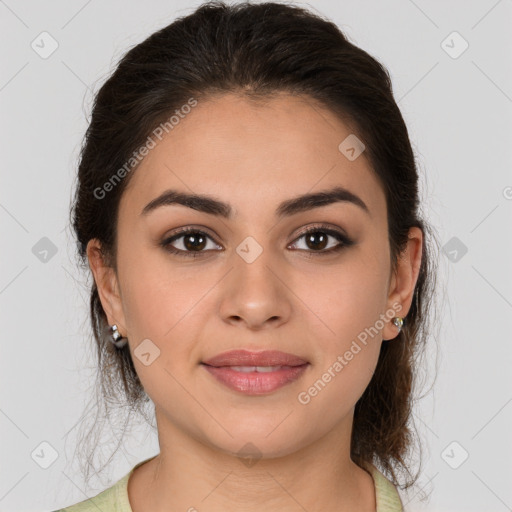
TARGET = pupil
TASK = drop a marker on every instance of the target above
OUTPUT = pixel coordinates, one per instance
(317, 234)
(197, 242)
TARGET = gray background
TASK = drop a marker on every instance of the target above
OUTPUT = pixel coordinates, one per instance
(458, 110)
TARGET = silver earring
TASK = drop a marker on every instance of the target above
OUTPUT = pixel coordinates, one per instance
(117, 338)
(399, 322)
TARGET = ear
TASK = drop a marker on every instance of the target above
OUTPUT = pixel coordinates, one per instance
(108, 286)
(403, 280)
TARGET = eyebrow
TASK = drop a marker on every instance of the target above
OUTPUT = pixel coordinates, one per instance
(210, 205)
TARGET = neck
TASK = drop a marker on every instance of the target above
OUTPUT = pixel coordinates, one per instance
(190, 475)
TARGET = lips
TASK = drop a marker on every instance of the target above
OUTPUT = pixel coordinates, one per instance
(247, 358)
(254, 382)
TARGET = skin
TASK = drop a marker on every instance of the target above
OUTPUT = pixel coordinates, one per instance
(253, 156)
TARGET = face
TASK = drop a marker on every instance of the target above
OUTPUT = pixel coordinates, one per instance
(309, 282)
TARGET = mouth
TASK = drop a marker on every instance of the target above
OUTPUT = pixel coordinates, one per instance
(258, 369)
(265, 360)
(255, 373)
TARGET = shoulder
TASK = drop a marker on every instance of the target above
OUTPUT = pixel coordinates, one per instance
(113, 499)
(386, 494)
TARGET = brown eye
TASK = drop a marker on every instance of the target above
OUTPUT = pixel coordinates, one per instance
(317, 239)
(190, 241)
(194, 242)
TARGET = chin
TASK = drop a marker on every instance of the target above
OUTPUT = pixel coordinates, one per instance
(262, 441)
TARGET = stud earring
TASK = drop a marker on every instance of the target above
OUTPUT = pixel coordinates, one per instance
(399, 322)
(117, 339)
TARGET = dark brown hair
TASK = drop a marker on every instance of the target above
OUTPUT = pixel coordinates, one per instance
(256, 50)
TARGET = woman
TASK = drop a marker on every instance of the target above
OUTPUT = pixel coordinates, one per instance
(248, 205)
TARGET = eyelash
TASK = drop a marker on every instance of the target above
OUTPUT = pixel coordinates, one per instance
(344, 241)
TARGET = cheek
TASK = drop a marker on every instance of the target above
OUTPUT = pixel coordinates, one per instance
(344, 300)
(158, 296)
(344, 306)
(348, 305)
(160, 305)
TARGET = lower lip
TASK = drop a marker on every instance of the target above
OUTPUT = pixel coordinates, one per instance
(256, 383)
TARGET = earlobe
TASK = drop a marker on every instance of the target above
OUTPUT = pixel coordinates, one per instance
(106, 282)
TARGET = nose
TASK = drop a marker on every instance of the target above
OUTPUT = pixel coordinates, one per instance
(256, 294)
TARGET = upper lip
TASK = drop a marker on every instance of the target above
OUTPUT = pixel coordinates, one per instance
(249, 358)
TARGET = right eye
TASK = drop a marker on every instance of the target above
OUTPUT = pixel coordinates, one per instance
(192, 240)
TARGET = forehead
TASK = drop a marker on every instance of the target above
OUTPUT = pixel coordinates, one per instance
(266, 151)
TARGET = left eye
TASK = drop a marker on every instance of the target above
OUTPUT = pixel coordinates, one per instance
(319, 237)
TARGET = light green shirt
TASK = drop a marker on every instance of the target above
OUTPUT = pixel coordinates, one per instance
(115, 498)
